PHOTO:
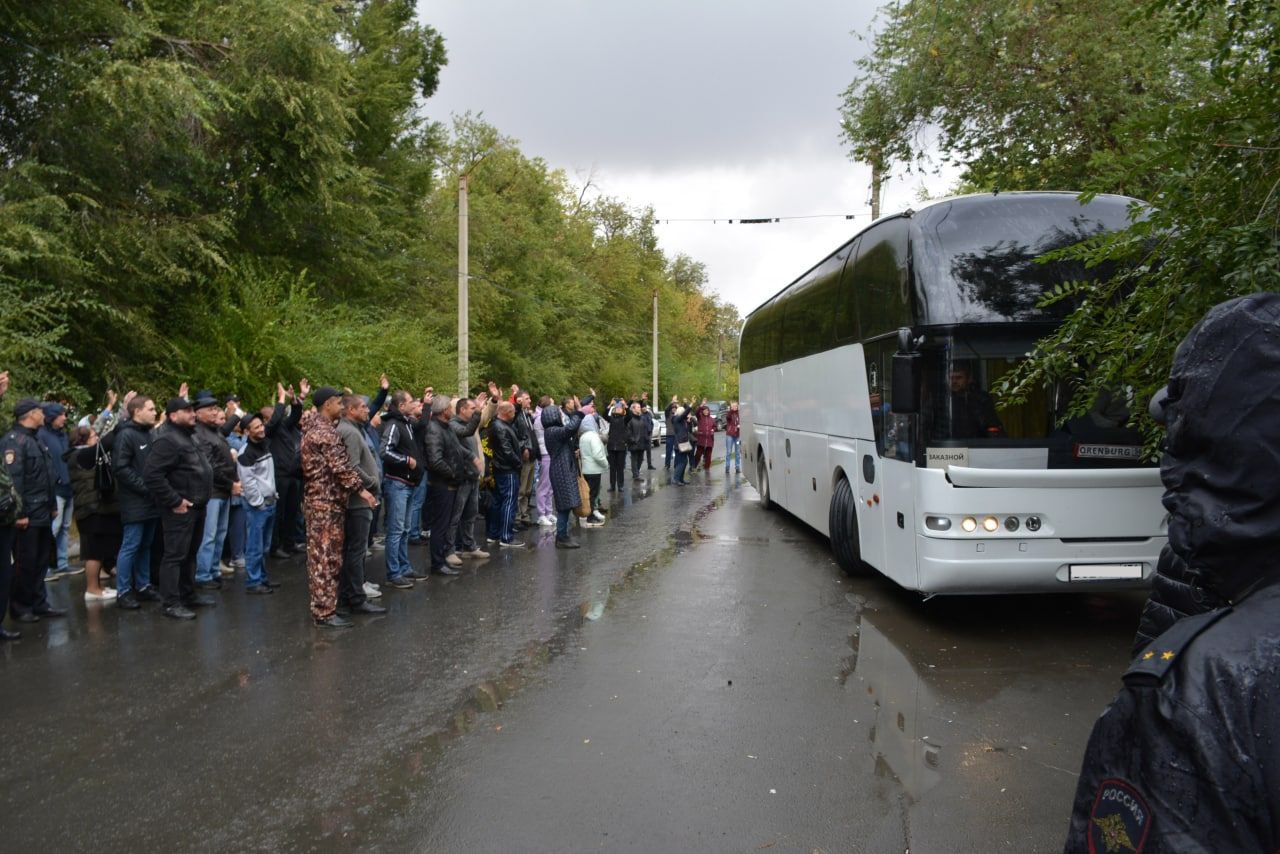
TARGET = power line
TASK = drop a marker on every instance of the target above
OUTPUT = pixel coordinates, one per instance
(761, 220)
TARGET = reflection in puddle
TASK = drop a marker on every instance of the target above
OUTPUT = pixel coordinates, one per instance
(899, 742)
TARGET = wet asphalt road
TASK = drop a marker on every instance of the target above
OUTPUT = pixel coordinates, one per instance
(699, 677)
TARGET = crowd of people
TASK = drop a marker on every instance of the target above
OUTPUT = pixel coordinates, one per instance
(174, 499)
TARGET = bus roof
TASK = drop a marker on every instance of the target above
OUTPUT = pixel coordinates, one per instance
(933, 203)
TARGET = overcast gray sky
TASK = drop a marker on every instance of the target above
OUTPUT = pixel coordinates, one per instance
(700, 108)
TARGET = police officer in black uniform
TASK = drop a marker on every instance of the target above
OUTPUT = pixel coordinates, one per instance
(181, 480)
(31, 467)
(1187, 758)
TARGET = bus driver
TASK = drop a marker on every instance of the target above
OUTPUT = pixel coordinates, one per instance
(970, 413)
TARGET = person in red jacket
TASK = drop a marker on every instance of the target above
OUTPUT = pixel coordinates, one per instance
(732, 440)
(705, 440)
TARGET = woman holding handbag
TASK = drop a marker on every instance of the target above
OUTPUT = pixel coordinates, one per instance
(594, 462)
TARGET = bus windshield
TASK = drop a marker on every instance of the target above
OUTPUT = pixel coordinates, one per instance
(961, 415)
(975, 259)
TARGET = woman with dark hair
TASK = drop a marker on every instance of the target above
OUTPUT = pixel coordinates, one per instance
(97, 514)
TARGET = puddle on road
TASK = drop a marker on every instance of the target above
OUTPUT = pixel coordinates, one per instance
(398, 782)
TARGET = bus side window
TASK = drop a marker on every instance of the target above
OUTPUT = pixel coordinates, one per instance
(846, 301)
(880, 278)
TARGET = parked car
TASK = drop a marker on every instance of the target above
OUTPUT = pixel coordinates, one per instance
(719, 411)
(659, 428)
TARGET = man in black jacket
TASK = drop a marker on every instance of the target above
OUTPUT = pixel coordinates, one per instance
(445, 464)
(31, 468)
(505, 444)
(286, 454)
(1186, 758)
(181, 480)
(226, 484)
(138, 512)
(402, 470)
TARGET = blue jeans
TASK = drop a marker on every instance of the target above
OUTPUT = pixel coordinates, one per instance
(396, 495)
(502, 508)
(671, 449)
(258, 524)
(562, 524)
(133, 564)
(682, 460)
(415, 508)
(732, 448)
(61, 529)
(217, 513)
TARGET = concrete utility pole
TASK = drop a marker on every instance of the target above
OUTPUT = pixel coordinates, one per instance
(657, 402)
(876, 178)
(719, 363)
(464, 306)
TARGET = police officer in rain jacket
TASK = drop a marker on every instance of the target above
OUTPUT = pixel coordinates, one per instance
(1187, 758)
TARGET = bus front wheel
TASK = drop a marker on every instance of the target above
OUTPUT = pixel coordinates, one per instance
(843, 524)
(762, 478)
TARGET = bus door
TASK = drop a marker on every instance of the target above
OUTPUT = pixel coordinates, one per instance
(870, 504)
(776, 452)
(889, 483)
(898, 499)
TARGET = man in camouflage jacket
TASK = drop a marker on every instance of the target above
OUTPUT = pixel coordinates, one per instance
(330, 479)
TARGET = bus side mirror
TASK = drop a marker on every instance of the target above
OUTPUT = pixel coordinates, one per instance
(906, 386)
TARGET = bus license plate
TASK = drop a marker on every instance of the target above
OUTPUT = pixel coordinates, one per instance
(1104, 571)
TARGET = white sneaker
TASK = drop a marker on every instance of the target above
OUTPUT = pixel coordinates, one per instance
(514, 544)
(371, 590)
(107, 594)
(477, 553)
(225, 568)
(587, 523)
(597, 516)
(547, 521)
(453, 560)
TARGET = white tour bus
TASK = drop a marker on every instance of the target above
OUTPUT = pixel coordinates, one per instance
(866, 413)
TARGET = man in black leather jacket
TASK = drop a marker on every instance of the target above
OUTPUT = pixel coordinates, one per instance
(1187, 758)
(181, 480)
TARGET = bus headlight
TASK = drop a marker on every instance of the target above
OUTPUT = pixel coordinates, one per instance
(1033, 523)
(969, 524)
(991, 524)
(937, 523)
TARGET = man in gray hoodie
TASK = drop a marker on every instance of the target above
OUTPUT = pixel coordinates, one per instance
(352, 597)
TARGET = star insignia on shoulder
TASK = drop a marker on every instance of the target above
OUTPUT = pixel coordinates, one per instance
(1147, 656)
(1166, 655)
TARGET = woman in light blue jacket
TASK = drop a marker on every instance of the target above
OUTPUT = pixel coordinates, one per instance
(595, 461)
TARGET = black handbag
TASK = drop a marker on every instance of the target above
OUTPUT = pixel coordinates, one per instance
(104, 478)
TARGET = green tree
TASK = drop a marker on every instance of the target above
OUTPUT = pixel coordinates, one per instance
(1213, 161)
(1020, 94)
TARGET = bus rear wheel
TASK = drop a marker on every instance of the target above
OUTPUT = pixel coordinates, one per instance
(843, 524)
(762, 478)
